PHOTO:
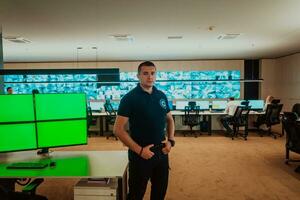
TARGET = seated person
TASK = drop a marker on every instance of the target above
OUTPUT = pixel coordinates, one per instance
(229, 110)
(262, 118)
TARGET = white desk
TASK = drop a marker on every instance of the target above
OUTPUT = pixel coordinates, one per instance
(71, 164)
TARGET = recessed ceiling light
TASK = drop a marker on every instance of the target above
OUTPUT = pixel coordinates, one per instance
(17, 39)
(175, 37)
(228, 36)
(122, 37)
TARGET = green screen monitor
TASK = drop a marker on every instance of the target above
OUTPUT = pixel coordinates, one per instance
(60, 106)
(17, 137)
(16, 108)
(61, 133)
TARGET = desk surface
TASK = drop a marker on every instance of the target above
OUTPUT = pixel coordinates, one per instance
(178, 113)
(68, 164)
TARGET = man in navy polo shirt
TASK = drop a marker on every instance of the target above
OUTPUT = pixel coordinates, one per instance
(147, 110)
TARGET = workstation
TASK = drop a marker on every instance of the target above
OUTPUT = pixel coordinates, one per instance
(205, 52)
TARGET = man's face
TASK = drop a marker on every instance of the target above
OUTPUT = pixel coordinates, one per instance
(147, 76)
(10, 91)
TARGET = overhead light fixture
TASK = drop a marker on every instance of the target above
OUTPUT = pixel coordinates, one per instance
(175, 37)
(17, 39)
(122, 37)
(228, 36)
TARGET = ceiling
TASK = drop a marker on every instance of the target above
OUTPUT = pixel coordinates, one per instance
(56, 28)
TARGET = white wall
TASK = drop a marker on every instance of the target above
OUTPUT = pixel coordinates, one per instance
(282, 79)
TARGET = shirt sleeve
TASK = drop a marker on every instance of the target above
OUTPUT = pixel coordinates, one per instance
(124, 107)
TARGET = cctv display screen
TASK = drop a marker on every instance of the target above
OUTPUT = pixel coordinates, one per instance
(16, 108)
(180, 105)
(256, 104)
(61, 133)
(60, 106)
(17, 137)
(204, 105)
(219, 105)
(170, 103)
(204, 84)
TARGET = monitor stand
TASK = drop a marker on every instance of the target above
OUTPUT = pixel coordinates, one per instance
(43, 151)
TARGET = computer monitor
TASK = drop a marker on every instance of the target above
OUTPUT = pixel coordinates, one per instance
(96, 105)
(219, 105)
(180, 105)
(61, 120)
(17, 127)
(204, 105)
(256, 104)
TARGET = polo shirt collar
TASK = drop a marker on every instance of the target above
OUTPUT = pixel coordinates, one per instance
(140, 89)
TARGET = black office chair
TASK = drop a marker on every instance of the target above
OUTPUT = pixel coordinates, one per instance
(191, 117)
(91, 121)
(270, 118)
(296, 109)
(292, 128)
(7, 187)
(240, 119)
(110, 118)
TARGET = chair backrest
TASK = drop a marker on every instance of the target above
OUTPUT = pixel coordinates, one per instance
(191, 115)
(296, 109)
(90, 119)
(240, 117)
(111, 113)
(192, 104)
(292, 129)
(273, 114)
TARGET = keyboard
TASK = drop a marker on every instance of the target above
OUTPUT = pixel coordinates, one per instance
(27, 165)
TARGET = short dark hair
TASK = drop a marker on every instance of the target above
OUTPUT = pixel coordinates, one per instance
(231, 98)
(8, 88)
(35, 91)
(147, 64)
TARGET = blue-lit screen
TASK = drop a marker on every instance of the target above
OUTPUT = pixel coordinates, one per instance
(208, 84)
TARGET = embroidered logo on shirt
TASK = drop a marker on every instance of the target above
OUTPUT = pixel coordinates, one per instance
(163, 103)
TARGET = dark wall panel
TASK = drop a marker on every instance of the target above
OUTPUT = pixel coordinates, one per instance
(251, 72)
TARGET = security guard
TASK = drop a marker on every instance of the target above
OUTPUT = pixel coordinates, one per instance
(146, 108)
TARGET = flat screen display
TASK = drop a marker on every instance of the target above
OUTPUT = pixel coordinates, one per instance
(16, 108)
(97, 105)
(204, 105)
(219, 105)
(60, 106)
(61, 133)
(180, 105)
(17, 137)
(256, 104)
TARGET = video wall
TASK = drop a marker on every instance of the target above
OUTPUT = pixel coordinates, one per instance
(176, 84)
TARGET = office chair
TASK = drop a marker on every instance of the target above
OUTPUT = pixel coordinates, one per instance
(7, 187)
(191, 117)
(270, 118)
(110, 118)
(296, 109)
(292, 128)
(240, 119)
(91, 121)
(275, 101)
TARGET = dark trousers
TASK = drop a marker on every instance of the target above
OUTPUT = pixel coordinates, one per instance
(226, 120)
(141, 171)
